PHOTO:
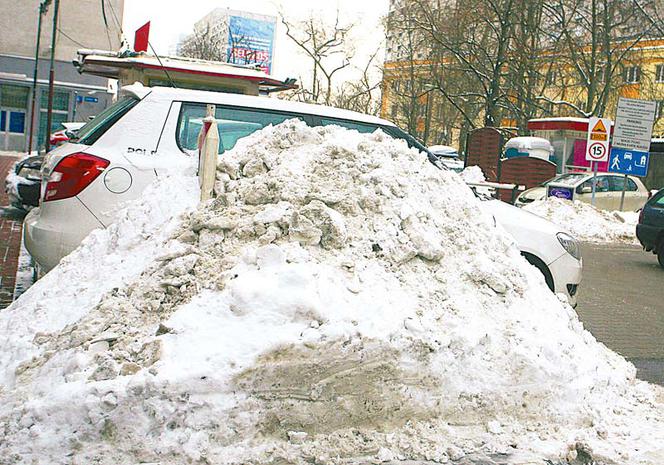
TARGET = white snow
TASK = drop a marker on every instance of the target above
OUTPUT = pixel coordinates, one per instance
(586, 222)
(473, 174)
(340, 301)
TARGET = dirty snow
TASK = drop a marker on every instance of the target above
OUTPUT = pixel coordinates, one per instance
(586, 222)
(340, 301)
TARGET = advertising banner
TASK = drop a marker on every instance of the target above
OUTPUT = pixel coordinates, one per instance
(251, 42)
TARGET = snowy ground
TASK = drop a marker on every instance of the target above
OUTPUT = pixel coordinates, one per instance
(586, 222)
(340, 301)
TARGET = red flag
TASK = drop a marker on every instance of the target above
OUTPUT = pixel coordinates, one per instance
(141, 38)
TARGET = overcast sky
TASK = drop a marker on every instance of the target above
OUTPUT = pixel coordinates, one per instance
(170, 19)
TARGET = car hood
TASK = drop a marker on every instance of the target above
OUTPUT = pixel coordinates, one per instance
(515, 219)
(535, 193)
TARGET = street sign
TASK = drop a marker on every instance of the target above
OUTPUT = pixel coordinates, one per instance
(634, 122)
(627, 161)
(597, 147)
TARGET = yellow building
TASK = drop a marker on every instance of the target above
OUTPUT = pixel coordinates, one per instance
(410, 100)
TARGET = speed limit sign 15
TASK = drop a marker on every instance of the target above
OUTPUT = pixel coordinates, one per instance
(597, 143)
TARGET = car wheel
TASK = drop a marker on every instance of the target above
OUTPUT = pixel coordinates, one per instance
(660, 255)
(540, 265)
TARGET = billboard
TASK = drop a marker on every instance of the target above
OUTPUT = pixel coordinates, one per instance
(250, 41)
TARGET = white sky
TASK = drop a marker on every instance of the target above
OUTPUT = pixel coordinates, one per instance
(170, 19)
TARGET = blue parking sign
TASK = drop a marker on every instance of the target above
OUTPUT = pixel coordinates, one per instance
(628, 161)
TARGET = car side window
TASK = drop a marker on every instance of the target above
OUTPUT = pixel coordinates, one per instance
(602, 184)
(234, 123)
(618, 182)
(359, 127)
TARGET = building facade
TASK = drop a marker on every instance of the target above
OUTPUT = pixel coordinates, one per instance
(91, 24)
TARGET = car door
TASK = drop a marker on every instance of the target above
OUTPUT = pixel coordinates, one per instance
(633, 198)
(604, 198)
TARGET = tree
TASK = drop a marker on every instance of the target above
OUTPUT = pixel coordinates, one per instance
(203, 44)
(360, 95)
(329, 52)
(597, 43)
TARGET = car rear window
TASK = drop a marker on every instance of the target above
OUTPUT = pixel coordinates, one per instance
(89, 133)
(233, 124)
(658, 199)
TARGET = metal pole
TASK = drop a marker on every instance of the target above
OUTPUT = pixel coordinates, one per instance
(622, 196)
(592, 200)
(42, 10)
(51, 77)
(73, 116)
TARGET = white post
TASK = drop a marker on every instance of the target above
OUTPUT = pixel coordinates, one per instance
(207, 159)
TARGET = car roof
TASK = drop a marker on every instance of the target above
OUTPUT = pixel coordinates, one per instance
(250, 101)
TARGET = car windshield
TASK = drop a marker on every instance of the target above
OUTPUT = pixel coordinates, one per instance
(568, 178)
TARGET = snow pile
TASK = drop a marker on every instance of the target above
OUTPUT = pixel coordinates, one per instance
(473, 174)
(586, 222)
(340, 301)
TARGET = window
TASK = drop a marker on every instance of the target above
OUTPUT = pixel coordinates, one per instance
(394, 111)
(359, 127)
(93, 130)
(56, 124)
(60, 100)
(233, 123)
(618, 182)
(632, 74)
(602, 185)
(3, 120)
(17, 122)
(659, 73)
(659, 199)
(14, 96)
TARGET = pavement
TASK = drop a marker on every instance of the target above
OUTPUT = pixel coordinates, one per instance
(11, 227)
(621, 302)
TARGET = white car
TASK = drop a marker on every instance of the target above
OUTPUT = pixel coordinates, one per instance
(122, 150)
(546, 246)
(608, 191)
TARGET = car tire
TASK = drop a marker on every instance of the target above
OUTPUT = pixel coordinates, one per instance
(660, 255)
(540, 265)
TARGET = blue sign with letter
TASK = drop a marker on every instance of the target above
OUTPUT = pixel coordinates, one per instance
(250, 41)
(628, 161)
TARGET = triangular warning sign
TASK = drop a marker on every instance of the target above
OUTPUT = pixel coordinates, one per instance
(599, 127)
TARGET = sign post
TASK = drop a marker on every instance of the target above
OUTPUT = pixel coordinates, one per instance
(630, 154)
(597, 146)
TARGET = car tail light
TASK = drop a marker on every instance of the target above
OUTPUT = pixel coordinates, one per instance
(73, 174)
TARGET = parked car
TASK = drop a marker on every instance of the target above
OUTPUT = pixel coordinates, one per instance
(650, 229)
(546, 246)
(448, 156)
(607, 193)
(22, 184)
(121, 151)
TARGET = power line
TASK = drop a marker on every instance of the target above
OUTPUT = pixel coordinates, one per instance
(115, 16)
(73, 40)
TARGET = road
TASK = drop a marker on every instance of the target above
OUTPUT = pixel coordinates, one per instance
(621, 302)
